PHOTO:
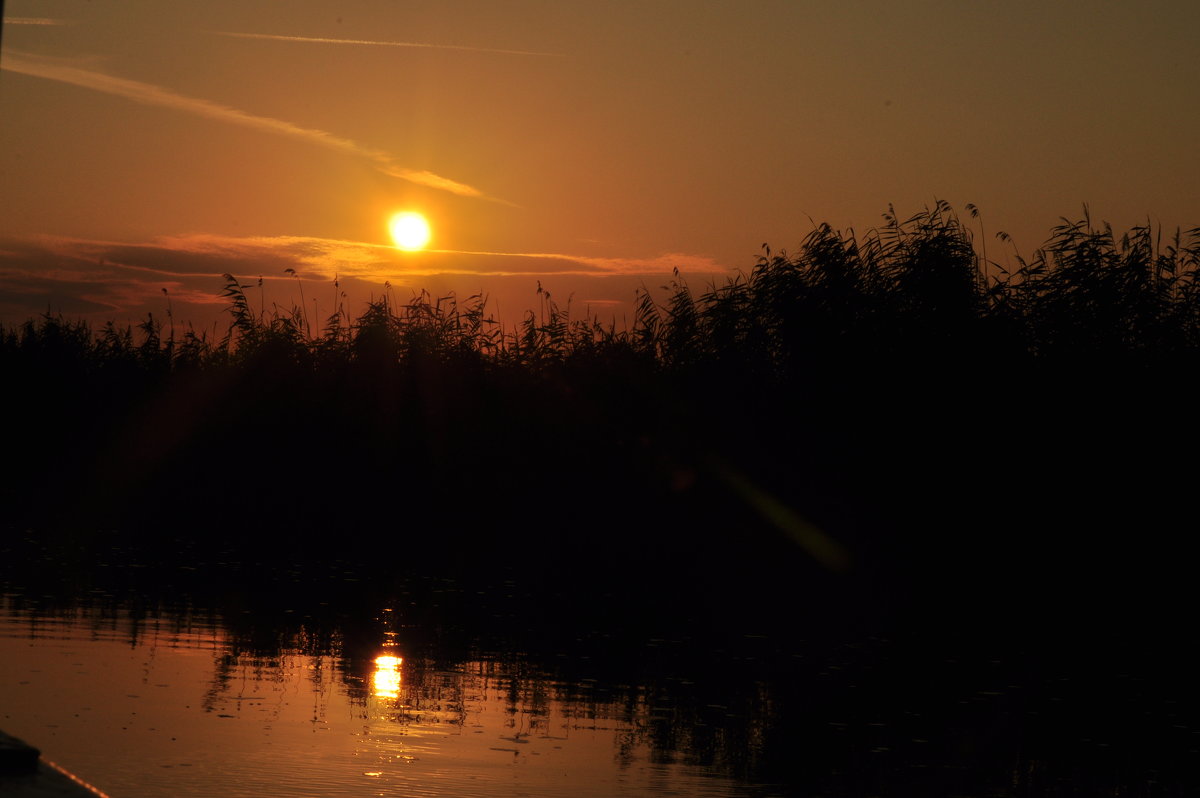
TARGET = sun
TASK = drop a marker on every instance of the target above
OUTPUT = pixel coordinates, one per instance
(409, 230)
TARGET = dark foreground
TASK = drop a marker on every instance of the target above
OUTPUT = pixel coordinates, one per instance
(947, 691)
(24, 774)
(938, 526)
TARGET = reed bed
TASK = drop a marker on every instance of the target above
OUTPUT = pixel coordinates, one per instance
(913, 288)
(853, 401)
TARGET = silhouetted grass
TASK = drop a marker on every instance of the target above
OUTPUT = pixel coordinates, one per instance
(883, 403)
(915, 289)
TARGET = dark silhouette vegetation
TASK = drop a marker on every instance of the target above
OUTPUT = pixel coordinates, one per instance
(864, 382)
(884, 433)
(890, 407)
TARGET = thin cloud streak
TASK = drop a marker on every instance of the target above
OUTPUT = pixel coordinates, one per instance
(662, 263)
(326, 256)
(319, 258)
(423, 177)
(34, 21)
(113, 280)
(148, 94)
(370, 43)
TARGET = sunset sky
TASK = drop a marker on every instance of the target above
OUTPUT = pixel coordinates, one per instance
(589, 146)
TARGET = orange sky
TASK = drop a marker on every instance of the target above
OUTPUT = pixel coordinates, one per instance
(591, 146)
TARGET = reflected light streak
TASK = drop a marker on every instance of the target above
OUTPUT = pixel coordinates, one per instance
(385, 681)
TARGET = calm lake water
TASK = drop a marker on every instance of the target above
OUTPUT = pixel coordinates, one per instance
(233, 678)
(172, 705)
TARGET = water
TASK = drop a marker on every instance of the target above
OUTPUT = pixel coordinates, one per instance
(173, 705)
(224, 677)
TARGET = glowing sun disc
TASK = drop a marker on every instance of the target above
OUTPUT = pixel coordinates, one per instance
(409, 230)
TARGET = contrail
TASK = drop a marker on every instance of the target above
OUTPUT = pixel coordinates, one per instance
(148, 94)
(369, 43)
(33, 21)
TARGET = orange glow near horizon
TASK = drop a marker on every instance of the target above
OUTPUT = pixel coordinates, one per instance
(410, 230)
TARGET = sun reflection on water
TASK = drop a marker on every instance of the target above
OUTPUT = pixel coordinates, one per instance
(385, 681)
(387, 726)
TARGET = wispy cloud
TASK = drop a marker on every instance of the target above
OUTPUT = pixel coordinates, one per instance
(149, 94)
(321, 258)
(34, 21)
(423, 177)
(371, 43)
(588, 264)
(107, 279)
